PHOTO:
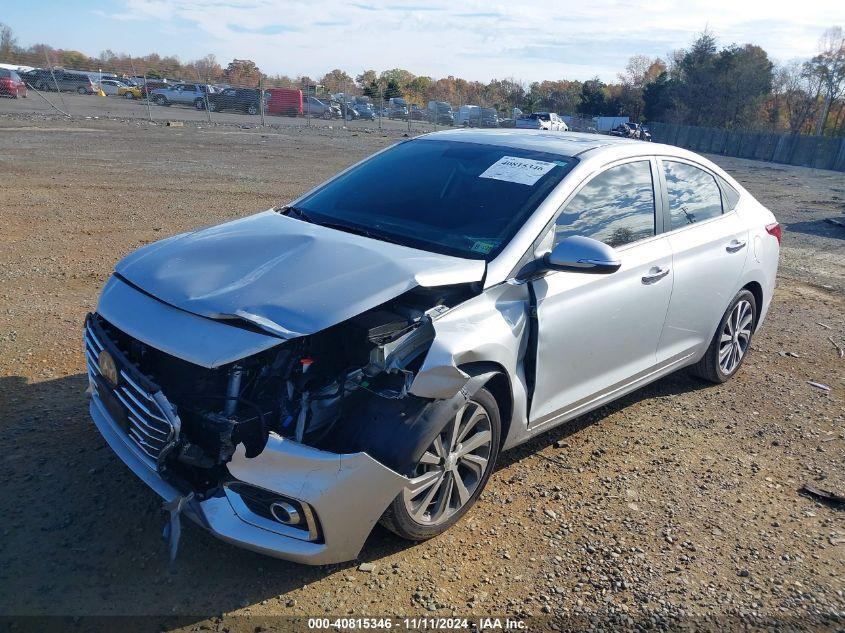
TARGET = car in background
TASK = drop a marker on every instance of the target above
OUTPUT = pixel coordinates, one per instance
(397, 108)
(631, 130)
(440, 112)
(489, 118)
(117, 88)
(67, 81)
(417, 113)
(129, 92)
(152, 84)
(181, 94)
(468, 116)
(326, 110)
(542, 121)
(246, 100)
(11, 84)
(365, 111)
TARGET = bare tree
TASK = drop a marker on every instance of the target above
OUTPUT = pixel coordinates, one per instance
(8, 43)
(828, 67)
(798, 91)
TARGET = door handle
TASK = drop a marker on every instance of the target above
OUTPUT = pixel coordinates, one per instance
(655, 274)
(735, 246)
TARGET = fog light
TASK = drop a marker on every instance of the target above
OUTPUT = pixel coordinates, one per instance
(272, 511)
(285, 513)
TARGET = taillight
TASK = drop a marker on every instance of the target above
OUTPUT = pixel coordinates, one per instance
(775, 230)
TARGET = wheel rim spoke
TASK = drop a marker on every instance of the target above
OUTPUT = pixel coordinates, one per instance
(475, 462)
(430, 459)
(461, 488)
(476, 441)
(443, 501)
(422, 509)
(477, 415)
(424, 481)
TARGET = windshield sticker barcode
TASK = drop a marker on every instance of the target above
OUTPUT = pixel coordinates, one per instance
(523, 171)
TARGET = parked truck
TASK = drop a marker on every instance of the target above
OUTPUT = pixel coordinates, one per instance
(285, 101)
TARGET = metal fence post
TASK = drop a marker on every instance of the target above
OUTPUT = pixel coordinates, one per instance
(55, 83)
(261, 101)
(147, 92)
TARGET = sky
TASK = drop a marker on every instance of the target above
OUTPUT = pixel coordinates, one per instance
(472, 39)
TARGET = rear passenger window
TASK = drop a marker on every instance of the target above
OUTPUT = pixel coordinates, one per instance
(694, 195)
(616, 207)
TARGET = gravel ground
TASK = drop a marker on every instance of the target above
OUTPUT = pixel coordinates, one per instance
(677, 506)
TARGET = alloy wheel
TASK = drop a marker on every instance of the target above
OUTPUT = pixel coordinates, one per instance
(736, 335)
(452, 468)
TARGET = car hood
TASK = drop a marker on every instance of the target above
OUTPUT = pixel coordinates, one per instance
(286, 276)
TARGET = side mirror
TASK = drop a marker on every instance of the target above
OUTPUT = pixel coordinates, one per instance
(582, 255)
(574, 254)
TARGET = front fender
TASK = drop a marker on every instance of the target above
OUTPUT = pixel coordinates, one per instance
(489, 328)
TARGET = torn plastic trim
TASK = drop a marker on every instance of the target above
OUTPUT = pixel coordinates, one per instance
(397, 432)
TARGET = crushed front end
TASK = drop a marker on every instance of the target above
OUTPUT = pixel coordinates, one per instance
(294, 450)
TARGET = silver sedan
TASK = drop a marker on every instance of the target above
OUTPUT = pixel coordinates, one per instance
(365, 352)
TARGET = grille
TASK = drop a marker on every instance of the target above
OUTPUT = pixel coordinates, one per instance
(147, 423)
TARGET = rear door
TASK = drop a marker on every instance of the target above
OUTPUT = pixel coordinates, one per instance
(599, 333)
(709, 247)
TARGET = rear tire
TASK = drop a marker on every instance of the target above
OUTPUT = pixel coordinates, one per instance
(82, 90)
(458, 479)
(731, 342)
(252, 110)
(128, 95)
(199, 104)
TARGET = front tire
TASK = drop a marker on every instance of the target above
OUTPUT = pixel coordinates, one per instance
(731, 342)
(451, 474)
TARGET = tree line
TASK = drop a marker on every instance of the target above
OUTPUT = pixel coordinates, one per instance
(733, 87)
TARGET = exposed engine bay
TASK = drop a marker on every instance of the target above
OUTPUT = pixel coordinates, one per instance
(330, 390)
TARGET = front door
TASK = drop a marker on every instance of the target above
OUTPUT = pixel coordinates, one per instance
(597, 333)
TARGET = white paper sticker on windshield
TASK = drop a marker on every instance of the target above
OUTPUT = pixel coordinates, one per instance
(523, 171)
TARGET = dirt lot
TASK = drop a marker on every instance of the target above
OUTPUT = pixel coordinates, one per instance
(676, 506)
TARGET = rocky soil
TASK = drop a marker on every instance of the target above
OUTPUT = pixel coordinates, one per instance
(678, 506)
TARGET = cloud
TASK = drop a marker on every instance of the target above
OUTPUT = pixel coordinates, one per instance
(270, 29)
(475, 39)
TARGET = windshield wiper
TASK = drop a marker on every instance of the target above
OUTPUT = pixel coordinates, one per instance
(373, 235)
(296, 212)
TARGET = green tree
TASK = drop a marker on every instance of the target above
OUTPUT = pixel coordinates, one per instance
(659, 98)
(392, 89)
(593, 99)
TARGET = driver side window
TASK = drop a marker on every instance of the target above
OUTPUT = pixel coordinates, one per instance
(616, 207)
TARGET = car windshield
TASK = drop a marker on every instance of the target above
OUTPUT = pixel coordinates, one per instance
(542, 116)
(5, 73)
(450, 197)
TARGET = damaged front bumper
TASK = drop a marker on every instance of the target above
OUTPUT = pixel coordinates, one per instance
(344, 495)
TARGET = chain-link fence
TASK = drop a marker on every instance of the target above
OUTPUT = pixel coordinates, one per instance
(126, 89)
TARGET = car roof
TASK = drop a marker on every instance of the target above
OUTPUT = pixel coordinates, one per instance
(563, 143)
